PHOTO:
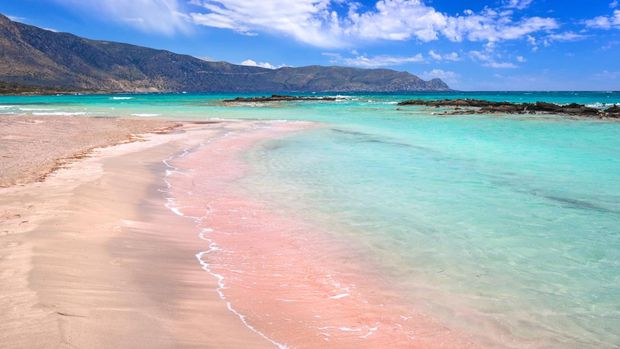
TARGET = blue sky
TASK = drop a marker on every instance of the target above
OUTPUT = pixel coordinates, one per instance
(473, 45)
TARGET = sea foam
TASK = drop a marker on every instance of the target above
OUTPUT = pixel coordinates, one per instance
(171, 204)
(145, 114)
(60, 113)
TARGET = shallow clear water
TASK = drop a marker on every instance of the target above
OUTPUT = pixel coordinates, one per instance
(508, 227)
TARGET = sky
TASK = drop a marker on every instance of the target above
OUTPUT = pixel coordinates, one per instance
(472, 45)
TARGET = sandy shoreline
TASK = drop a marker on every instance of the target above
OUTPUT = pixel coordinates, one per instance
(31, 147)
(291, 282)
(107, 252)
(83, 266)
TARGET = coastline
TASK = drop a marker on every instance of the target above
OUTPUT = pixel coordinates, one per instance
(35, 146)
(102, 254)
(279, 274)
(83, 264)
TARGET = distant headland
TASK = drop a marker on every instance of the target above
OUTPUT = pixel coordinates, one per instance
(38, 61)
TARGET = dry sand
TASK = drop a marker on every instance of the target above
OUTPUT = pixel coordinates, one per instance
(81, 263)
(31, 147)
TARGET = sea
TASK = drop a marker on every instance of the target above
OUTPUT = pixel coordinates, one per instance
(505, 226)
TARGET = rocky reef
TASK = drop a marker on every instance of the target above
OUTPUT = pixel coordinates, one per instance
(278, 98)
(477, 106)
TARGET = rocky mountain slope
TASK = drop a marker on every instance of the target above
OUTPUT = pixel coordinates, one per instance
(39, 58)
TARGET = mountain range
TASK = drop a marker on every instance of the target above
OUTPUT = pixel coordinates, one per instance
(35, 58)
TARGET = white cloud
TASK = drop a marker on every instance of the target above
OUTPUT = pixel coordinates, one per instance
(447, 76)
(609, 45)
(533, 42)
(453, 56)
(395, 20)
(252, 63)
(607, 75)
(480, 55)
(521, 59)
(492, 26)
(519, 4)
(305, 20)
(156, 16)
(613, 4)
(323, 23)
(434, 55)
(500, 65)
(567, 36)
(373, 61)
(317, 22)
(603, 22)
(16, 18)
(488, 59)
(378, 61)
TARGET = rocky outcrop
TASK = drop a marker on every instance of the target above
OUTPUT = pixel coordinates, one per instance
(277, 98)
(477, 106)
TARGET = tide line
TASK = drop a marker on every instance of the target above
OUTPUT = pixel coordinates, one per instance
(171, 204)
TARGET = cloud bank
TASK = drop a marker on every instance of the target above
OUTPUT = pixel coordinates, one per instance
(336, 23)
(324, 23)
(155, 16)
(605, 22)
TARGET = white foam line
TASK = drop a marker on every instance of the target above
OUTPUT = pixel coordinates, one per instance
(222, 286)
(339, 296)
(371, 331)
(170, 204)
(59, 114)
(176, 211)
(145, 114)
(343, 328)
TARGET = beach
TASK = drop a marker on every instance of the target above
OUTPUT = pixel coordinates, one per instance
(342, 224)
(334, 174)
(34, 146)
(90, 258)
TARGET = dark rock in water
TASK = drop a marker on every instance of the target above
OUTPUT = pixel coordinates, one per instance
(614, 109)
(575, 108)
(447, 103)
(477, 106)
(277, 98)
(549, 107)
(613, 112)
(505, 108)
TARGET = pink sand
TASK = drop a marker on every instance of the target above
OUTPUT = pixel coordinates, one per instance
(280, 274)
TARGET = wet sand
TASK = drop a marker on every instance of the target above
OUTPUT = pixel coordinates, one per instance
(91, 258)
(154, 244)
(282, 274)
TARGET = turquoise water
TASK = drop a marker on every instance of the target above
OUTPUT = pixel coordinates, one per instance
(508, 227)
